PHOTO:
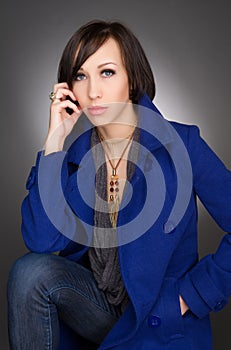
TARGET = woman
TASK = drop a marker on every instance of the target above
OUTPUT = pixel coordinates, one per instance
(119, 205)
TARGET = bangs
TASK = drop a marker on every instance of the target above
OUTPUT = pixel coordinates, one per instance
(88, 46)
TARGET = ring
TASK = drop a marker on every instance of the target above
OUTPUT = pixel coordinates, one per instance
(52, 96)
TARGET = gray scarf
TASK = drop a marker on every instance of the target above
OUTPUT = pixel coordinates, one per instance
(104, 262)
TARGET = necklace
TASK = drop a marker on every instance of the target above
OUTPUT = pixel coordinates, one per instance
(114, 179)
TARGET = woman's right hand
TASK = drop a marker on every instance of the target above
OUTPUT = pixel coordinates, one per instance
(61, 123)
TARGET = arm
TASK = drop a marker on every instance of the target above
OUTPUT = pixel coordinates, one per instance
(45, 213)
(207, 286)
(40, 229)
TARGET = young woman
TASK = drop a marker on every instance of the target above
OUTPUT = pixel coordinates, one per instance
(119, 207)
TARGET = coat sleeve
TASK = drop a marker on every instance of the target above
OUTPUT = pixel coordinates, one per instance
(46, 216)
(207, 286)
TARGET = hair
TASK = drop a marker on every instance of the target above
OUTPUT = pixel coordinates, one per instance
(90, 37)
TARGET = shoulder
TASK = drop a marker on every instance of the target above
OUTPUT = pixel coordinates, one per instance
(185, 129)
(189, 133)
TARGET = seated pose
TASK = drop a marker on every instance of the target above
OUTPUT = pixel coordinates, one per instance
(110, 218)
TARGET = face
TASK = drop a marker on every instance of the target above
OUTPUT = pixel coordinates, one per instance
(101, 81)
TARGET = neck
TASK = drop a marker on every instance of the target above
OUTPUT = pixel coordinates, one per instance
(118, 130)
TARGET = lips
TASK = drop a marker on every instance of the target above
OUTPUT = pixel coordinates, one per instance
(97, 110)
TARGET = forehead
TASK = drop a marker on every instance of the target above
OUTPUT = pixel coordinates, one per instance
(108, 52)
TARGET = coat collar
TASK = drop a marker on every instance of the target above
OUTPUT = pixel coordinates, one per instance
(155, 129)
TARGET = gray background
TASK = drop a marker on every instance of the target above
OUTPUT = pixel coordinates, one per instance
(188, 45)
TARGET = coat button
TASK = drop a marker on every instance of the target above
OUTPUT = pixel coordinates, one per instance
(169, 226)
(31, 178)
(219, 305)
(154, 321)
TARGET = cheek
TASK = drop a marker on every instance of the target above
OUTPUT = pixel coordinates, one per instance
(126, 87)
(125, 92)
(122, 90)
(79, 94)
(74, 90)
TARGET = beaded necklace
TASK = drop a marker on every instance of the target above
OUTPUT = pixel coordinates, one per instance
(114, 179)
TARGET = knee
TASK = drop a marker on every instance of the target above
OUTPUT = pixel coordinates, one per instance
(27, 273)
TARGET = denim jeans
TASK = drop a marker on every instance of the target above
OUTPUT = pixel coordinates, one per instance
(44, 289)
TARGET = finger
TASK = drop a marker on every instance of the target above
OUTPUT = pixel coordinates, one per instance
(63, 93)
(57, 86)
(60, 105)
(74, 117)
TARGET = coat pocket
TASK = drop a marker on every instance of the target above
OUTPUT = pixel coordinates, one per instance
(168, 309)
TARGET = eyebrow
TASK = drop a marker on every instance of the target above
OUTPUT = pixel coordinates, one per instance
(101, 65)
(106, 63)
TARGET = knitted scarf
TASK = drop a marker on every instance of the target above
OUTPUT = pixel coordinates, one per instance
(104, 262)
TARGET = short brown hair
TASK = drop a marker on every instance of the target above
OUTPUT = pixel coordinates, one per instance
(90, 37)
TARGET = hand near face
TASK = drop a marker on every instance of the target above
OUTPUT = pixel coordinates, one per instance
(61, 123)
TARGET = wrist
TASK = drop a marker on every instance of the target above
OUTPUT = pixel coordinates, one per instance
(53, 145)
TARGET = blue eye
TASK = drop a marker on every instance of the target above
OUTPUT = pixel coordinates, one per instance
(108, 73)
(80, 76)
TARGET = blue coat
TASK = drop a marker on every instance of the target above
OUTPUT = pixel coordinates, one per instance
(162, 262)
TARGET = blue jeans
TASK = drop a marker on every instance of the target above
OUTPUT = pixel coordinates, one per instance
(44, 289)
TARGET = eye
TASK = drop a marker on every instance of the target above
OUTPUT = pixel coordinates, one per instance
(107, 73)
(79, 76)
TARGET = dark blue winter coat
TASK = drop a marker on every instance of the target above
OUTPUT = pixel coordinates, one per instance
(160, 262)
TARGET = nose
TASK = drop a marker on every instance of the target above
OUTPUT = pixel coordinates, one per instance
(94, 89)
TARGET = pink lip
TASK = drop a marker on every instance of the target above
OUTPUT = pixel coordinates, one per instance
(97, 110)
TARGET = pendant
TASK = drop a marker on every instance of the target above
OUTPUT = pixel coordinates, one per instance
(114, 186)
(114, 198)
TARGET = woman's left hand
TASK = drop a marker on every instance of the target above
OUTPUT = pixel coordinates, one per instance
(183, 306)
